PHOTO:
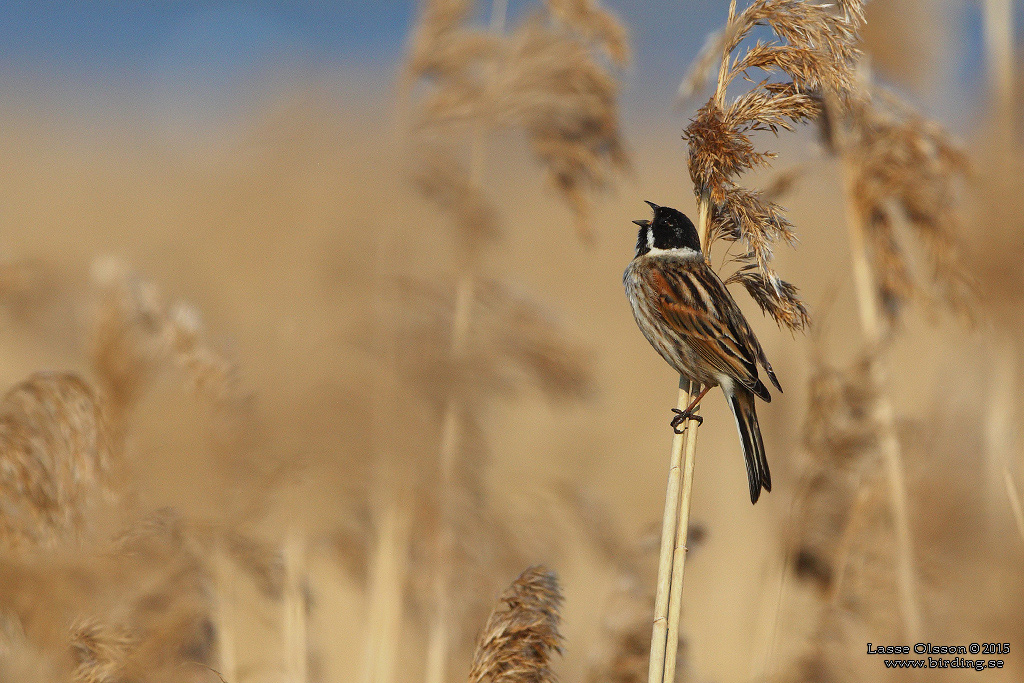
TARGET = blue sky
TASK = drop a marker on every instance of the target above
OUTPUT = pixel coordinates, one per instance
(196, 54)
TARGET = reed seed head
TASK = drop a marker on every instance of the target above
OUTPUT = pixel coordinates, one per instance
(522, 632)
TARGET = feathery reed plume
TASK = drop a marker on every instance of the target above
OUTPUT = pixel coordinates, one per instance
(839, 436)
(565, 100)
(167, 604)
(519, 638)
(513, 343)
(101, 651)
(898, 168)
(814, 50)
(56, 461)
(134, 609)
(548, 78)
(838, 538)
(135, 337)
(545, 78)
(902, 170)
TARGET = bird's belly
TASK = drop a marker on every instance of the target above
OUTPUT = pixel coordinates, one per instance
(676, 351)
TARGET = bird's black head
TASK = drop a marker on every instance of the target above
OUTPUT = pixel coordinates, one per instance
(670, 229)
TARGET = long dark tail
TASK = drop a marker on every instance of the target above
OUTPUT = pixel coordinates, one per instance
(741, 401)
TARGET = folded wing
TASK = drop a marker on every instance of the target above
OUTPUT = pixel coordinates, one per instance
(696, 305)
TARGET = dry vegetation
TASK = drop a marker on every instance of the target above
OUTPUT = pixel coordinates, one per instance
(337, 389)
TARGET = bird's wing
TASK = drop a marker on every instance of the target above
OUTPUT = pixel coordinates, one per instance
(695, 303)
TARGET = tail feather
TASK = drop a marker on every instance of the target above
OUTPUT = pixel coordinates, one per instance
(741, 401)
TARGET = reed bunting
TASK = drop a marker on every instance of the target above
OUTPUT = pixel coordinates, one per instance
(686, 312)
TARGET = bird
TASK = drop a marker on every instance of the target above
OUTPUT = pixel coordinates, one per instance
(688, 315)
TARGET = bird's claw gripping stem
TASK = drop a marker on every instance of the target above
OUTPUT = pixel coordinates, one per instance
(682, 416)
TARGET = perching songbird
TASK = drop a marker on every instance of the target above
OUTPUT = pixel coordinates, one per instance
(686, 312)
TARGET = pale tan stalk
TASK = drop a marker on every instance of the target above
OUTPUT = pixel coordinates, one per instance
(296, 648)
(668, 600)
(1011, 493)
(999, 425)
(439, 636)
(998, 29)
(1000, 409)
(723, 70)
(388, 570)
(666, 559)
(224, 614)
(675, 603)
(884, 415)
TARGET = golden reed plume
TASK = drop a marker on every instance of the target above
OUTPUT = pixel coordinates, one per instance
(521, 634)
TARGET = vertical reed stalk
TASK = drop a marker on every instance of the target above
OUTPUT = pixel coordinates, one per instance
(439, 637)
(224, 615)
(1011, 493)
(999, 425)
(675, 603)
(998, 28)
(663, 595)
(438, 640)
(388, 569)
(668, 600)
(296, 648)
(884, 415)
(999, 31)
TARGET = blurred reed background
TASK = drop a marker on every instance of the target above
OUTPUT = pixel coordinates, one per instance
(314, 341)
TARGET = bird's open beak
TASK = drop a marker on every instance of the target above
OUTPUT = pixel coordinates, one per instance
(642, 223)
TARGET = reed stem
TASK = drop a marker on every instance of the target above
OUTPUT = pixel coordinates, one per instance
(883, 413)
(439, 637)
(295, 631)
(668, 598)
(227, 661)
(670, 519)
(388, 569)
(1011, 493)
(675, 603)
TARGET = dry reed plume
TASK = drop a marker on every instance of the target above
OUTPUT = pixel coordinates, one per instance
(546, 79)
(136, 337)
(814, 50)
(154, 619)
(839, 435)
(270, 572)
(901, 174)
(898, 169)
(903, 171)
(56, 461)
(520, 636)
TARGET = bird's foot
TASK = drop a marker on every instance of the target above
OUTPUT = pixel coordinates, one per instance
(682, 416)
